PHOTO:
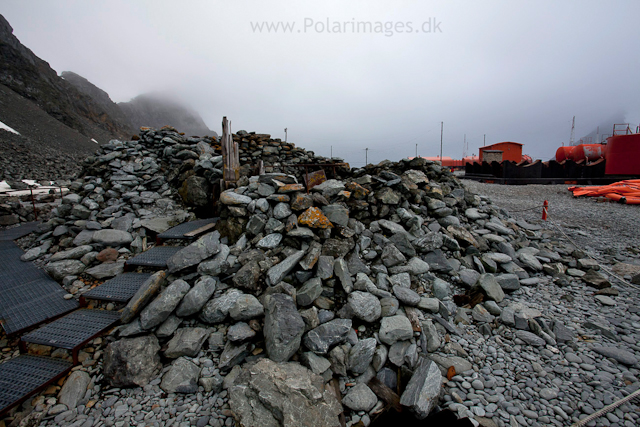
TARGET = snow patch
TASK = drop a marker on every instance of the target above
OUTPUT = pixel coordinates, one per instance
(8, 129)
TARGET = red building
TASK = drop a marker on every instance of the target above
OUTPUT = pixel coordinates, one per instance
(501, 151)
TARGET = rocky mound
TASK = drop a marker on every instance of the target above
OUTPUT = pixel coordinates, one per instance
(367, 285)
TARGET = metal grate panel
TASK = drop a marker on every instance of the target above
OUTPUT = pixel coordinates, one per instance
(24, 375)
(18, 293)
(20, 231)
(178, 232)
(119, 289)
(36, 310)
(73, 329)
(154, 257)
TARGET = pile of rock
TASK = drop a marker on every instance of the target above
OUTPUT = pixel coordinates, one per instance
(302, 300)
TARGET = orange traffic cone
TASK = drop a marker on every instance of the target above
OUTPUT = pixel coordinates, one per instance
(545, 206)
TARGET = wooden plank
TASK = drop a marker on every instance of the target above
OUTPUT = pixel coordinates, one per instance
(200, 230)
(388, 396)
(230, 155)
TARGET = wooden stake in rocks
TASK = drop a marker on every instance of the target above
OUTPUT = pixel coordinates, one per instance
(230, 156)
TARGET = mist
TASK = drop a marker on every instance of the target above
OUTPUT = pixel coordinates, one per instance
(494, 70)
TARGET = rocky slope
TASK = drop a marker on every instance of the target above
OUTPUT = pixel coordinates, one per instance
(31, 77)
(390, 282)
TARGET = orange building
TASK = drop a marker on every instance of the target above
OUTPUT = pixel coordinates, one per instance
(501, 151)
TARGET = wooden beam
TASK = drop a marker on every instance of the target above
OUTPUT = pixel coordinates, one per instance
(200, 230)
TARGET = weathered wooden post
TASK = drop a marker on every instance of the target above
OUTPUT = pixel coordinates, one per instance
(230, 156)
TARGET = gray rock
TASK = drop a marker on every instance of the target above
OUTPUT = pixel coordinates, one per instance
(530, 261)
(196, 298)
(342, 273)
(395, 328)
(201, 249)
(441, 289)
(429, 304)
(68, 267)
(508, 282)
(415, 266)
(361, 355)
(480, 314)
(309, 292)
(229, 197)
(282, 211)
(216, 265)
(423, 390)
(240, 332)
(530, 338)
(430, 334)
(182, 377)
(161, 307)
(491, 287)
(622, 356)
(232, 355)
(72, 253)
(106, 270)
(398, 351)
(437, 261)
(278, 271)
(186, 342)
(360, 398)
(389, 306)
(217, 309)
(406, 295)
(317, 364)
(330, 187)
(444, 363)
(132, 362)
(270, 241)
(248, 275)
(365, 306)
(469, 277)
(246, 307)
(74, 389)
(337, 214)
(112, 237)
(392, 256)
(256, 224)
(324, 268)
(167, 328)
(283, 327)
(270, 394)
(321, 339)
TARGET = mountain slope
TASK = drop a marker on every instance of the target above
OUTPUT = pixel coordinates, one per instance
(156, 110)
(31, 77)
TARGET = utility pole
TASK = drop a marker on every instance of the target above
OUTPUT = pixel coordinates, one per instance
(332, 151)
(366, 156)
(484, 140)
(416, 150)
(285, 134)
(441, 131)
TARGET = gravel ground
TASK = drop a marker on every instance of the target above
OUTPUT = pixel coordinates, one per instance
(588, 222)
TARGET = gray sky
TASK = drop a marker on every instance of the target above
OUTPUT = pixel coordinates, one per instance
(513, 70)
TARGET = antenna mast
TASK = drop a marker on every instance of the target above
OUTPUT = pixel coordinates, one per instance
(572, 140)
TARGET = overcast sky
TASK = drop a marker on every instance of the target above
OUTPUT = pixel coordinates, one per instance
(513, 70)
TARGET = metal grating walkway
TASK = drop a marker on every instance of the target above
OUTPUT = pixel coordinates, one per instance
(155, 257)
(119, 289)
(20, 231)
(179, 231)
(73, 330)
(24, 375)
(28, 295)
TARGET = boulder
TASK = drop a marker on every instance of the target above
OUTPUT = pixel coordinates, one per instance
(270, 394)
(182, 377)
(132, 362)
(113, 238)
(423, 390)
(283, 327)
(161, 307)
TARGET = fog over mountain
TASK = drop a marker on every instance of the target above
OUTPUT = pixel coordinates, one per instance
(513, 71)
